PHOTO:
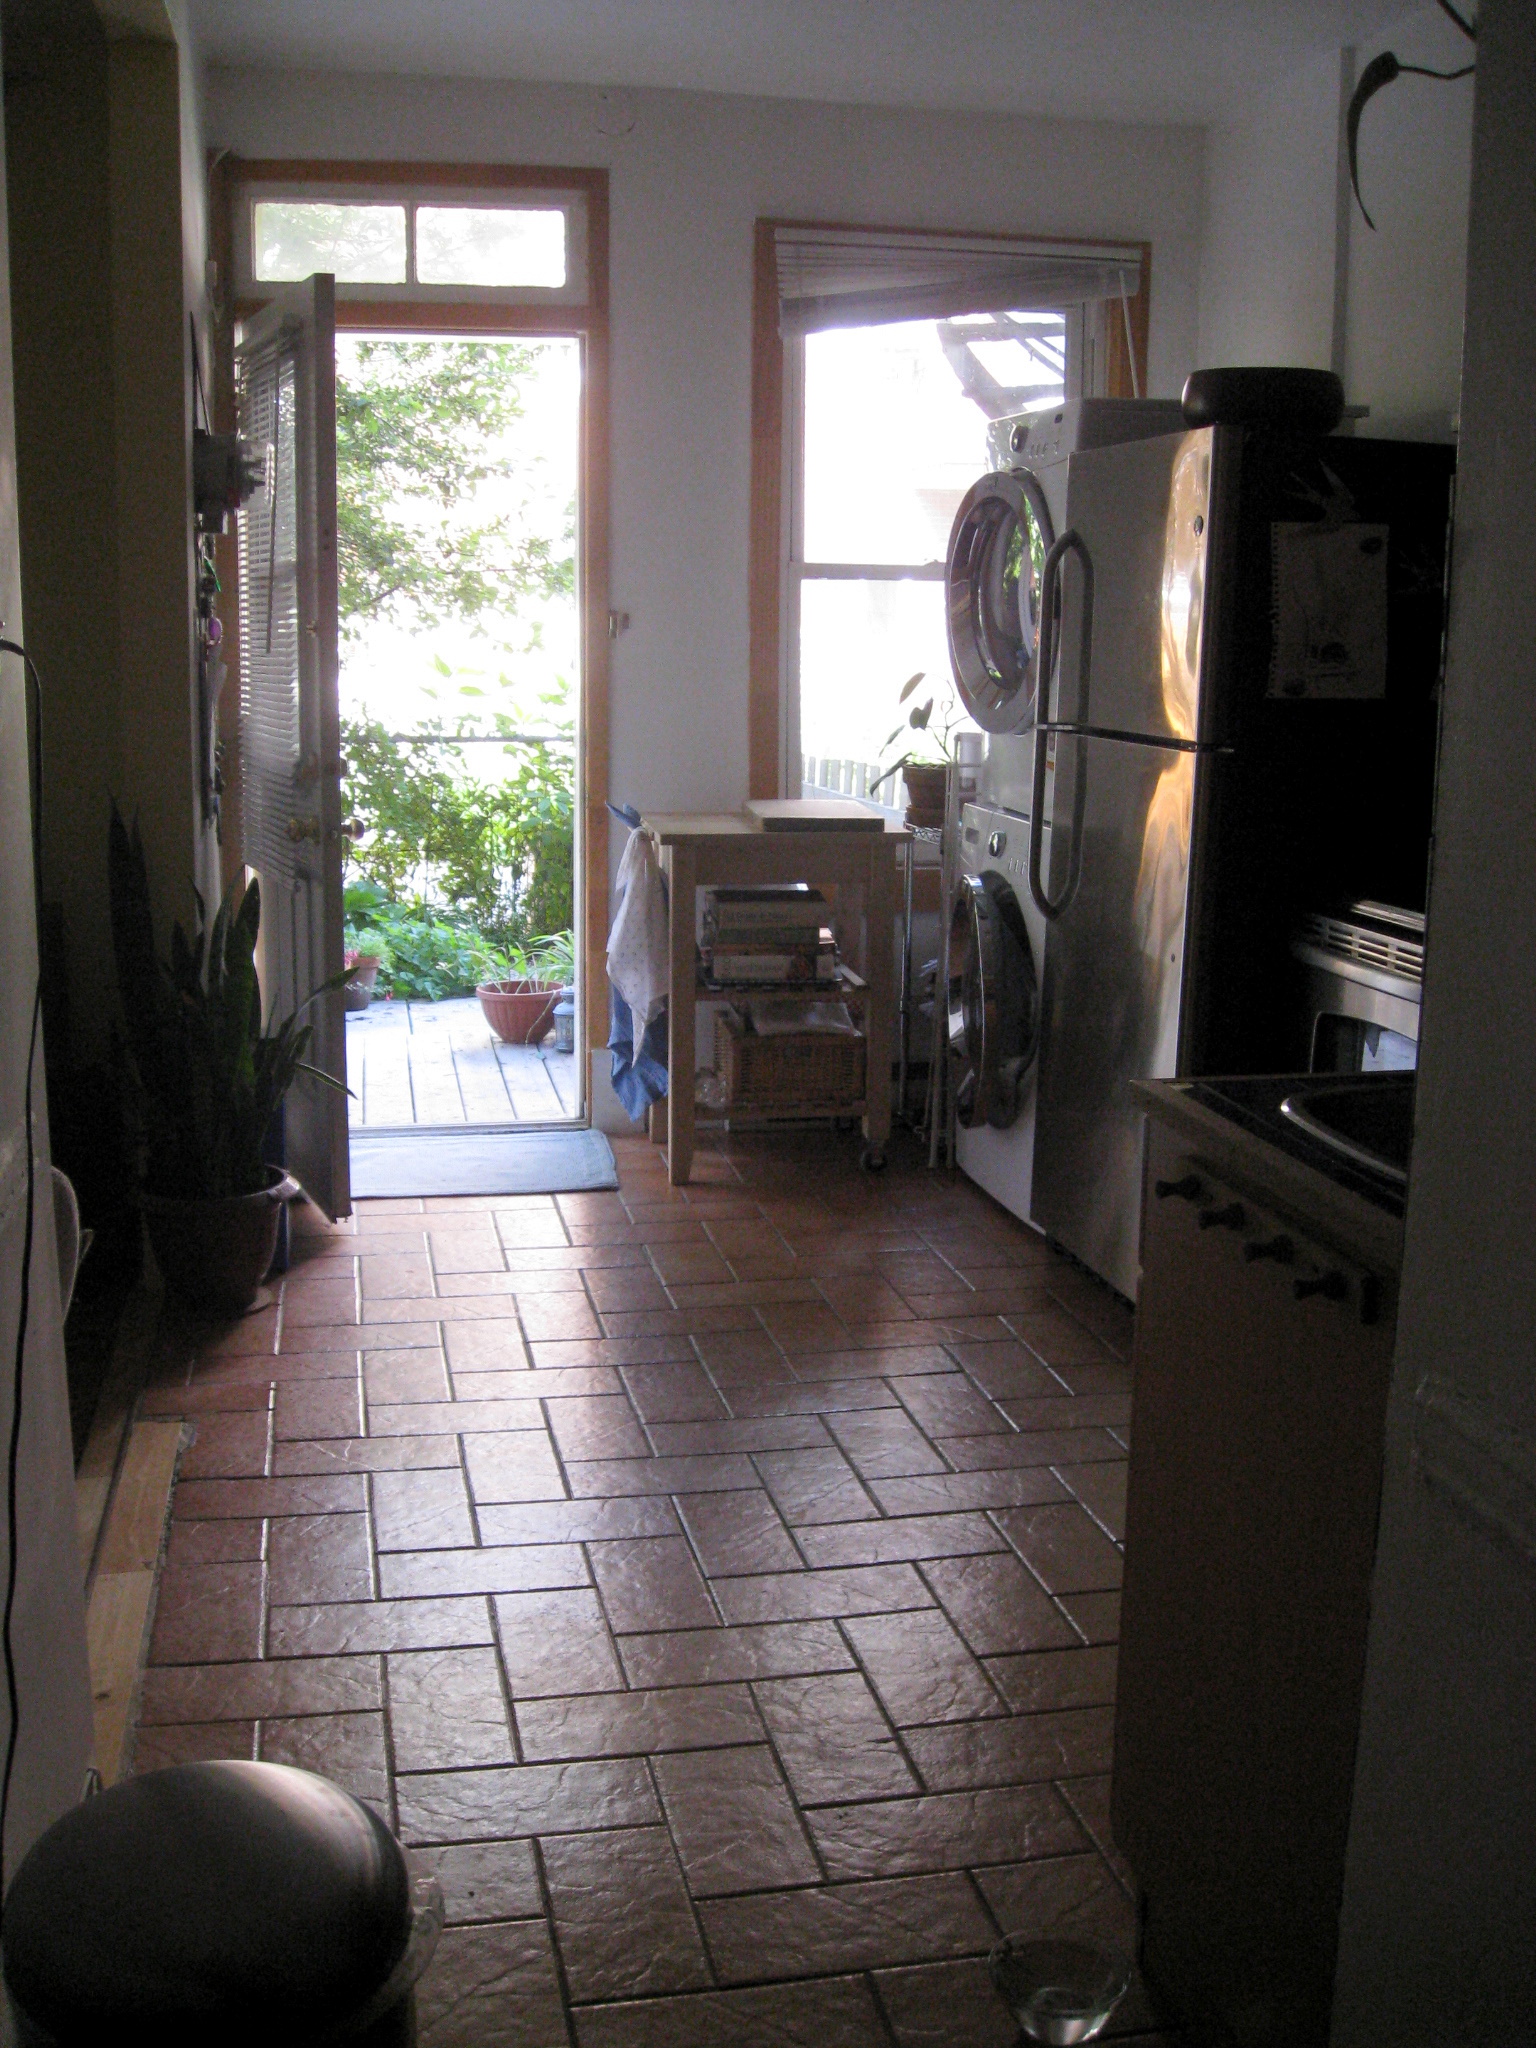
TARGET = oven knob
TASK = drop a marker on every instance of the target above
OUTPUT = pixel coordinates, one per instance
(1018, 440)
(1331, 1286)
(1232, 1217)
(997, 844)
(1280, 1249)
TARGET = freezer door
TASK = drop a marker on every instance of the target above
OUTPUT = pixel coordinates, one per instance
(1113, 986)
(1143, 513)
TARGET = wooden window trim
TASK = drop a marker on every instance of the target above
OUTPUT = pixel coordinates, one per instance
(587, 323)
(765, 592)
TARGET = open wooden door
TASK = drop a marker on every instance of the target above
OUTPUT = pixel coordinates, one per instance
(290, 731)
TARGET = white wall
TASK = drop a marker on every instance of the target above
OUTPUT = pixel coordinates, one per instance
(1281, 232)
(688, 181)
(1439, 1923)
(49, 1623)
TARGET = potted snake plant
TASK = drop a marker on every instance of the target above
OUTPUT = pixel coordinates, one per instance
(204, 1078)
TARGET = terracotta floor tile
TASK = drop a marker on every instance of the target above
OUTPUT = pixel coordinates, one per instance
(494, 1568)
(833, 2012)
(832, 1739)
(942, 1831)
(447, 1710)
(920, 1668)
(252, 1336)
(815, 1486)
(460, 1417)
(1039, 1680)
(734, 1822)
(1089, 1800)
(996, 1604)
(173, 1396)
(675, 1228)
(622, 1918)
(396, 1334)
(937, 2005)
(346, 1748)
(255, 1691)
(393, 1377)
(633, 1324)
(1070, 1411)
(1101, 1489)
(555, 1643)
(547, 1316)
(651, 1583)
(1030, 1447)
(673, 1393)
(685, 1264)
(752, 1433)
(644, 1723)
(315, 1558)
(1110, 1377)
(898, 1538)
(213, 1542)
(1059, 1339)
(806, 1596)
(806, 1326)
(486, 1347)
(457, 1253)
(947, 1404)
(611, 1352)
(528, 1281)
(737, 1533)
(625, 1289)
(193, 1742)
(1066, 1898)
(517, 1466)
(421, 1511)
(597, 1426)
(884, 1443)
(869, 1362)
(1097, 1615)
(1063, 1546)
(745, 1348)
(1009, 1372)
(864, 1298)
(227, 1446)
(1019, 1749)
(577, 1521)
(551, 1383)
(348, 1629)
(725, 1656)
(207, 1500)
(492, 1984)
(207, 1614)
(614, 1477)
(529, 1227)
(318, 1408)
(397, 1274)
(822, 1397)
(525, 1799)
(844, 1927)
(364, 1454)
(947, 1492)
(308, 1301)
(484, 1881)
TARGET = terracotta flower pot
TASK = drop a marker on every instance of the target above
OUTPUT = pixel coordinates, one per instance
(214, 1254)
(925, 792)
(362, 973)
(517, 1011)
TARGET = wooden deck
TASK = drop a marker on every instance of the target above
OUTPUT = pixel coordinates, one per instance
(440, 1063)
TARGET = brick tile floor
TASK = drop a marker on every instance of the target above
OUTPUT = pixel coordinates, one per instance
(716, 1587)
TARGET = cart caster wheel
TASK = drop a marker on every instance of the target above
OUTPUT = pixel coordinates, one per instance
(871, 1160)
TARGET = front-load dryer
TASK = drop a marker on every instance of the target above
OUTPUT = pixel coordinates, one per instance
(1006, 525)
(996, 972)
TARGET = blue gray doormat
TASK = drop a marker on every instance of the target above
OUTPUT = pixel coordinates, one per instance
(476, 1162)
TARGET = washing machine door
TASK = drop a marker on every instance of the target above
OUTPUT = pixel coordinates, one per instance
(993, 1002)
(997, 546)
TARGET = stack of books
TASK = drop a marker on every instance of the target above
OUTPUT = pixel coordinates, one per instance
(768, 938)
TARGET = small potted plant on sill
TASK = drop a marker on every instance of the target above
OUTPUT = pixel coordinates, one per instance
(925, 764)
(205, 1078)
(518, 1008)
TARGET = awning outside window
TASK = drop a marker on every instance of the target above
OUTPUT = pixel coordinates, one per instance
(848, 277)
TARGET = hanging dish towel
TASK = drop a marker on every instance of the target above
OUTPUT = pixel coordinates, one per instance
(639, 947)
(639, 1072)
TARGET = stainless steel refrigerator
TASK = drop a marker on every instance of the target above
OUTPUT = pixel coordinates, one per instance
(1243, 723)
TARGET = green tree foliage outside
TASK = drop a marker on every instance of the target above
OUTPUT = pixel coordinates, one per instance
(457, 872)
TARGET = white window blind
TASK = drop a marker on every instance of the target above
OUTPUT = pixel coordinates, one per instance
(847, 277)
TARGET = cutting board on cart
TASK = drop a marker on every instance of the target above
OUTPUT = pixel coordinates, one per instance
(811, 814)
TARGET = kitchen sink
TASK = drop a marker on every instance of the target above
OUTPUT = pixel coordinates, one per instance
(1365, 1118)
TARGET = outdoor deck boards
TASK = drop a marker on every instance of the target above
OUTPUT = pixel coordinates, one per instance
(440, 1063)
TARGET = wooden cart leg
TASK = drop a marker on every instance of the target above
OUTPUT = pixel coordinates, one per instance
(657, 1123)
(880, 911)
(680, 1035)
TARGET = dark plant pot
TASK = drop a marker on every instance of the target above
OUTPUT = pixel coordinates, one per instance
(357, 991)
(925, 792)
(517, 1011)
(214, 1254)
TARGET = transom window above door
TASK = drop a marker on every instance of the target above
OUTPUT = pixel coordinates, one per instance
(385, 243)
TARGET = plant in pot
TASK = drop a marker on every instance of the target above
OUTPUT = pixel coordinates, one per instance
(518, 1008)
(929, 750)
(204, 1078)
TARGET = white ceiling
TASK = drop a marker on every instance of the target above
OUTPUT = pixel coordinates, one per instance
(1148, 60)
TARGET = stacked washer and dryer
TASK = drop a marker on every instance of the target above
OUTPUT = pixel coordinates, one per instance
(1006, 526)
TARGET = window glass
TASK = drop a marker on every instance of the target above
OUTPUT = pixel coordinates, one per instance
(859, 642)
(486, 245)
(358, 244)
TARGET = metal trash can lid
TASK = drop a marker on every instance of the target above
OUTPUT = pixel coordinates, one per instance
(230, 1902)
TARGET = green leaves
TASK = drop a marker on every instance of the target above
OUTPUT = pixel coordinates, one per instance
(202, 1077)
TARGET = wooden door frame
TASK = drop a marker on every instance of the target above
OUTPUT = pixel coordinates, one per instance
(765, 565)
(587, 323)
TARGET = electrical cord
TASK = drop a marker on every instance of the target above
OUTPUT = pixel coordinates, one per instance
(24, 1303)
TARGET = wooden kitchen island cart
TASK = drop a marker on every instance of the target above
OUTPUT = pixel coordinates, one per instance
(707, 850)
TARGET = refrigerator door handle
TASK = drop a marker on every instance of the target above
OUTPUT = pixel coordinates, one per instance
(1070, 542)
(1048, 910)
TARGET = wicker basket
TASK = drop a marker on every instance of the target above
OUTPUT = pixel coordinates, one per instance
(799, 1073)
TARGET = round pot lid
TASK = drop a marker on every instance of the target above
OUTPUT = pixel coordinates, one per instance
(993, 1002)
(999, 541)
(233, 1902)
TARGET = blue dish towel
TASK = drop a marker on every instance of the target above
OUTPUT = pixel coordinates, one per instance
(639, 1078)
